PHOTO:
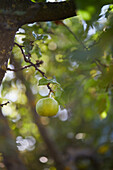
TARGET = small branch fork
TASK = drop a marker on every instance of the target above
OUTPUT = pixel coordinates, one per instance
(28, 60)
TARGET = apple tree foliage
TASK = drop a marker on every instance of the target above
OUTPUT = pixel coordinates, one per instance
(75, 65)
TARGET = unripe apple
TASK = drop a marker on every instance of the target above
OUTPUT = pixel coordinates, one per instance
(47, 107)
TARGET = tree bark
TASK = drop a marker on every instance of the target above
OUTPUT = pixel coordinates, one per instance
(6, 45)
(8, 147)
(49, 12)
(29, 12)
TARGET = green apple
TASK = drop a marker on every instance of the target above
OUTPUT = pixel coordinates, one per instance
(47, 107)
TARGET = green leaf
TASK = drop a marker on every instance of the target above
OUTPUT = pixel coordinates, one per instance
(28, 46)
(58, 96)
(40, 36)
(44, 81)
(80, 55)
(37, 51)
(102, 103)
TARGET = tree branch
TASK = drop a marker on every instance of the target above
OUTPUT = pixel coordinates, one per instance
(50, 11)
(36, 65)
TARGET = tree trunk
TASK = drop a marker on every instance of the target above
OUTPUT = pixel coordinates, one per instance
(8, 146)
(6, 44)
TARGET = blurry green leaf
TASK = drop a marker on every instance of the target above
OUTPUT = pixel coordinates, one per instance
(28, 45)
(40, 36)
(35, 35)
(58, 92)
(44, 81)
(80, 55)
(102, 103)
(89, 10)
(90, 83)
(58, 96)
(37, 50)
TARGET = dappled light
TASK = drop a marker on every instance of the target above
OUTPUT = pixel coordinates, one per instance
(43, 159)
(56, 93)
(25, 144)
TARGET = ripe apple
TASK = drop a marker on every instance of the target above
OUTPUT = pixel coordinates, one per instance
(47, 107)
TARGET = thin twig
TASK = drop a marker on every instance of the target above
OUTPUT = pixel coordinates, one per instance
(36, 65)
(1, 105)
(19, 69)
(22, 51)
(74, 35)
(51, 91)
(28, 60)
(99, 62)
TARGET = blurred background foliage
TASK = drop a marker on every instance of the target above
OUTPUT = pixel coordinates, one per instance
(77, 56)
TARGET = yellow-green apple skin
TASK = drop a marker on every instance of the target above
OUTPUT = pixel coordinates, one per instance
(47, 107)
